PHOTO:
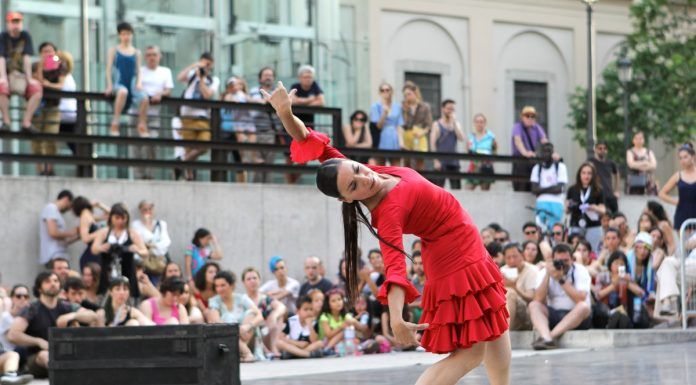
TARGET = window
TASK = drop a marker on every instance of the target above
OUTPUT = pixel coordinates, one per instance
(430, 87)
(532, 94)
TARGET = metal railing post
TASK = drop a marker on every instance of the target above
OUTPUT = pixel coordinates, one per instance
(83, 149)
(217, 155)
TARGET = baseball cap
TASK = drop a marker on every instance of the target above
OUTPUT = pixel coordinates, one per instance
(13, 16)
(645, 238)
(528, 110)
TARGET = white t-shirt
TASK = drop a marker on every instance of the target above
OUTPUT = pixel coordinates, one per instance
(296, 331)
(159, 236)
(49, 247)
(5, 323)
(154, 82)
(192, 92)
(291, 285)
(68, 106)
(549, 178)
(557, 297)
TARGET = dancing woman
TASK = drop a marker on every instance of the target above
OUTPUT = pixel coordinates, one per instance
(463, 300)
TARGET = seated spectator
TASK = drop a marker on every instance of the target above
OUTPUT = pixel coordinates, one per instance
(532, 255)
(83, 209)
(90, 278)
(16, 49)
(417, 245)
(272, 310)
(663, 222)
(145, 286)
(583, 254)
(370, 342)
(612, 243)
(495, 250)
(641, 266)
(200, 85)
(532, 232)
(445, 133)
(54, 237)
(520, 280)
(617, 292)
(299, 339)
(487, 235)
(9, 362)
(527, 137)
(481, 141)
(668, 273)
(283, 288)
(646, 221)
(418, 120)
(204, 284)
(171, 269)
(372, 282)
(230, 307)
(548, 180)
(155, 234)
(117, 244)
(418, 280)
(75, 293)
(68, 106)
(502, 236)
(117, 311)
(317, 297)
(561, 299)
(334, 319)
(558, 233)
(574, 238)
(626, 235)
(356, 134)
(19, 298)
(314, 280)
(30, 328)
(189, 301)
(203, 248)
(641, 165)
(166, 309)
(61, 267)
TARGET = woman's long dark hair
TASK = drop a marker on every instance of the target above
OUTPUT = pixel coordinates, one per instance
(327, 183)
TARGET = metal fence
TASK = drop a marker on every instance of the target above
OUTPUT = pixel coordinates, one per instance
(687, 258)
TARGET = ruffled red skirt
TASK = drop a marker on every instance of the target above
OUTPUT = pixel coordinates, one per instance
(463, 308)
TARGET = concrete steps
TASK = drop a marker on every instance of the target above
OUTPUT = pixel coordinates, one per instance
(602, 338)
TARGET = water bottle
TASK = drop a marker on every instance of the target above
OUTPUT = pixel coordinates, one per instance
(637, 306)
(349, 340)
(341, 349)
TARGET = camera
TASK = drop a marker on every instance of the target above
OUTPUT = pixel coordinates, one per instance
(202, 71)
(558, 264)
(117, 250)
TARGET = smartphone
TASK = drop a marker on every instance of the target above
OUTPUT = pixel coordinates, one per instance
(51, 62)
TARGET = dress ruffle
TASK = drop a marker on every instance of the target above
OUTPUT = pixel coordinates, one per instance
(411, 291)
(463, 308)
(310, 148)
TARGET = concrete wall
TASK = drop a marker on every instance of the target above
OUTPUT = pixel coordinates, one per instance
(253, 222)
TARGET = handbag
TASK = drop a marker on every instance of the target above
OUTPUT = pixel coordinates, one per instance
(638, 180)
(153, 263)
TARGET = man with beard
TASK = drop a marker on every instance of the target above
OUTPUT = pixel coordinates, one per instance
(30, 329)
(608, 175)
(266, 122)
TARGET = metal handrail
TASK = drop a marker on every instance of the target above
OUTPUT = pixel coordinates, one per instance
(682, 264)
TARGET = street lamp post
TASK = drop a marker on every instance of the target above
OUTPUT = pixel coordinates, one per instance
(625, 77)
(591, 120)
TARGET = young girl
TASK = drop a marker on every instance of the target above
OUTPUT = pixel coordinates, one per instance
(203, 248)
(370, 342)
(458, 268)
(334, 318)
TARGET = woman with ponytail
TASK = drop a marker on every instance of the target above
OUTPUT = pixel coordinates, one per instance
(463, 299)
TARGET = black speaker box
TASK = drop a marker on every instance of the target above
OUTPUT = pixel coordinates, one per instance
(145, 355)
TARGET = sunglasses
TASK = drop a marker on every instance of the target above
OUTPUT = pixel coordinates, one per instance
(500, 240)
(530, 232)
(384, 89)
(20, 296)
(530, 116)
(557, 233)
(360, 119)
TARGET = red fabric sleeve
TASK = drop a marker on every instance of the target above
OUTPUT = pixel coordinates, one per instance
(315, 146)
(390, 228)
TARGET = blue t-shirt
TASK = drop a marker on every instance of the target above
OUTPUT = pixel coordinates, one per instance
(241, 307)
(199, 255)
(389, 136)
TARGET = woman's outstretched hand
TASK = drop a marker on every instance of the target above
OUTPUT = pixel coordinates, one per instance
(280, 99)
(405, 332)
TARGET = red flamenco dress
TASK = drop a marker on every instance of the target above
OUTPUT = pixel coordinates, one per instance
(464, 296)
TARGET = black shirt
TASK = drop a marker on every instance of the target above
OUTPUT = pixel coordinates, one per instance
(573, 195)
(14, 49)
(40, 318)
(314, 90)
(606, 169)
(324, 285)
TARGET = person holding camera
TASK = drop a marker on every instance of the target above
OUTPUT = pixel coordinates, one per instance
(586, 204)
(561, 299)
(117, 244)
(200, 85)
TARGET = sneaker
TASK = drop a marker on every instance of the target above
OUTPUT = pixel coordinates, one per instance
(287, 356)
(30, 129)
(539, 344)
(4, 127)
(669, 307)
(14, 378)
(316, 354)
(329, 352)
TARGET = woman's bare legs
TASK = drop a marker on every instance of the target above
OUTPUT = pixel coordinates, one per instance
(449, 370)
(497, 360)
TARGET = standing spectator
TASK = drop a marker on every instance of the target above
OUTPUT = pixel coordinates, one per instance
(157, 83)
(266, 122)
(61, 267)
(520, 280)
(204, 283)
(117, 311)
(608, 175)
(386, 119)
(308, 93)
(641, 164)
(685, 181)
(16, 49)
(237, 125)
(84, 210)
(155, 234)
(200, 85)
(117, 243)
(585, 204)
(314, 280)
(51, 73)
(124, 80)
(663, 222)
(19, 297)
(527, 135)
(53, 236)
(446, 132)
(230, 307)
(418, 119)
(549, 179)
(30, 329)
(166, 309)
(283, 288)
(561, 299)
(68, 106)
(272, 310)
(356, 134)
(481, 141)
(204, 247)
(299, 338)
